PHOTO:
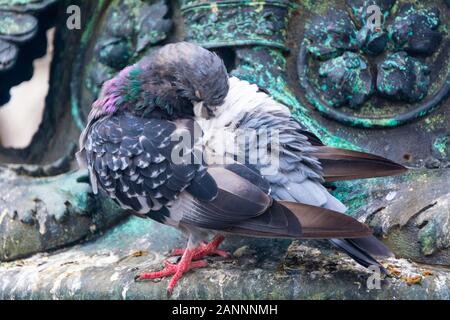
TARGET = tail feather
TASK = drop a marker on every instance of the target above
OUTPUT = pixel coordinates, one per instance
(372, 246)
(341, 164)
(362, 249)
(301, 221)
(322, 223)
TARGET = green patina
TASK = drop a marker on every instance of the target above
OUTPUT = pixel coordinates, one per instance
(86, 36)
(318, 7)
(442, 146)
(427, 239)
(331, 35)
(347, 192)
(325, 45)
(265, 67)
(129, 30)
(355, 80)
(12, 24)
(399, 66)
(79, 200)
(228, 23)
(88, 31)
(433, 122)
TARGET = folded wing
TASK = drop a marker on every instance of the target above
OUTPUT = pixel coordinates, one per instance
(242, 207)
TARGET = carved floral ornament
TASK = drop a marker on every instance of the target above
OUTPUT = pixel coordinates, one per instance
(349, 68)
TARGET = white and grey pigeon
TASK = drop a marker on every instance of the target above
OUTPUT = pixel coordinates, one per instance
(249, 167)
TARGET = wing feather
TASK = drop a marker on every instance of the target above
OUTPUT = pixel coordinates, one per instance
(129, 157)
(242, 207)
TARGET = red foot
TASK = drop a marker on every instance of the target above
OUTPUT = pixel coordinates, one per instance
(186, 263)
(204, 249)
(177, 270)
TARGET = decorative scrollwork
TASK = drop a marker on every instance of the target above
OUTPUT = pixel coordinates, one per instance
(240, 22)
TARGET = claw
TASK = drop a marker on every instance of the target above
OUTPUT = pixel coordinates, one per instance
(177, 270)
(190, 259)
(203, 250)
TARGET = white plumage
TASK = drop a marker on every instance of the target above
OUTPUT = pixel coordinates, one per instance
(221, 131)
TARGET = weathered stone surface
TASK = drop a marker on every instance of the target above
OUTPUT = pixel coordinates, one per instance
(414, 226)
(105, 269)
(41, 214)
(411, 212)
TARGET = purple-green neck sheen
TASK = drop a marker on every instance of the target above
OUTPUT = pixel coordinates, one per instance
(120, 91)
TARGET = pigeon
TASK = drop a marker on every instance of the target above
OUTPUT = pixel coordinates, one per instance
(175, 139)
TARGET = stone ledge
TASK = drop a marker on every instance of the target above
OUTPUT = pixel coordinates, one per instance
(261, 269)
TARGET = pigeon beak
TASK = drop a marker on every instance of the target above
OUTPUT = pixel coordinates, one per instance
(210, 109)
(200, 110)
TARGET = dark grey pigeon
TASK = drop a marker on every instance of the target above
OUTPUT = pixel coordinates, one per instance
(219, 184)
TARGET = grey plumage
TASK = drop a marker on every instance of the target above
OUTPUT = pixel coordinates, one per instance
(304, 162)
(130, 139)
(129, 157)
(183, 73)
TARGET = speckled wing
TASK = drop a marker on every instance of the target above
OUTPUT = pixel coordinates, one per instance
(130, 158)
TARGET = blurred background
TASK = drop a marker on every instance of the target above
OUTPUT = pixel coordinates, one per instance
(21, 116)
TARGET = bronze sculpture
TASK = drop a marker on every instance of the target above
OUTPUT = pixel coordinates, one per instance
(269, 57)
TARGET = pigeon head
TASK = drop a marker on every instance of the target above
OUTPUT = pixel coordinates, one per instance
(207, 82)
(200, 75)
(171, 80)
